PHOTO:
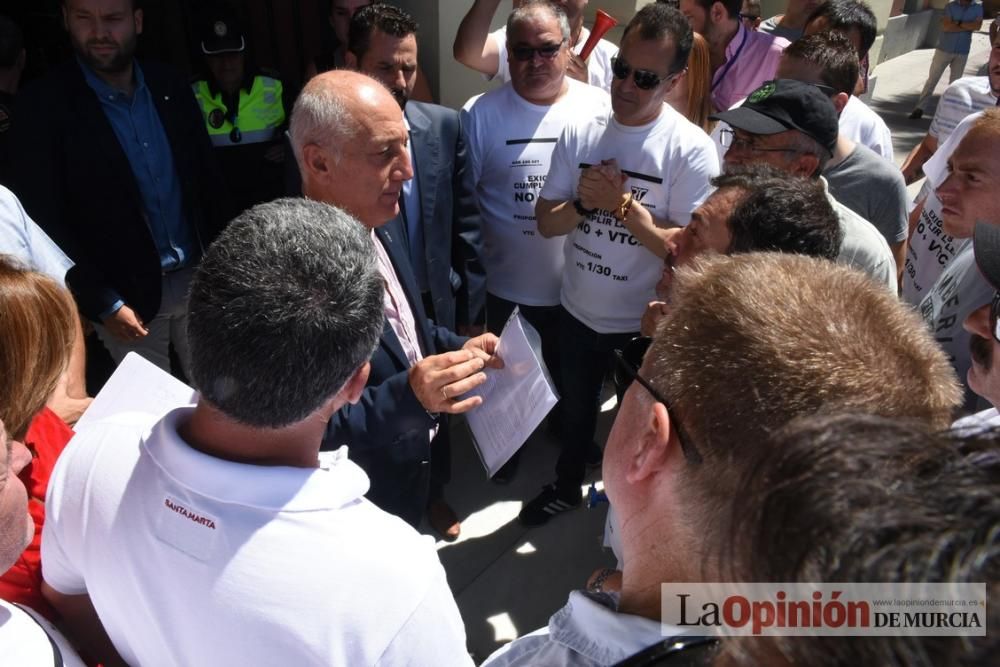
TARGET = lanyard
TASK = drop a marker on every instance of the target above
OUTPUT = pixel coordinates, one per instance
(729, 64)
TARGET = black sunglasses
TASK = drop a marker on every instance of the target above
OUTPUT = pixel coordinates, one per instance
(644, 79)
(994, 316)
(628, 361)
(526, 53)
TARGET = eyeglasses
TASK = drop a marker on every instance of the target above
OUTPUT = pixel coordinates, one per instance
(643, 78)
(995, 316)
(526, 53)
(729, 140)
(628, 361)
(750, 18)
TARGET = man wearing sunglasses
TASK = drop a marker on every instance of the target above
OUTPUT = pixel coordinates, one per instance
(792, 126)
(734, 360)
(615, 184)
(487, 52)
(741, 59)
(968, 196)
(510, 133)
(984, 329)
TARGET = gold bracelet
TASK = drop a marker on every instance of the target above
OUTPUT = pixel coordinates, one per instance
(623, 210)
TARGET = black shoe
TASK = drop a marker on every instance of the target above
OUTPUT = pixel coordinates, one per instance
(546, 505)
(595, 456)
(916, 114)
(507, 471)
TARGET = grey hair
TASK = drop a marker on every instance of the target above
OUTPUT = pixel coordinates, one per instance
(320, 117)
(528, 9)
(284, 308)
(806, 144)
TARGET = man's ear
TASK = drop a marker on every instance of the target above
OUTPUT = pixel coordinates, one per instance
(718, 13)
(315, 162)
(675, 81)
(805, 165)
(840, 101)
(655, 447)
(137, 14)
(351, 392)
(351, 60)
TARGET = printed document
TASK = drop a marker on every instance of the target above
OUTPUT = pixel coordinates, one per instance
(137, 386)
(516, 398)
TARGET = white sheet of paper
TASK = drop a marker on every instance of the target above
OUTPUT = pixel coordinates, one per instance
(137, 386)
(516, 398)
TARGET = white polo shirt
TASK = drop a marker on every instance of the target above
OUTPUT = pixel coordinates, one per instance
(193, 560)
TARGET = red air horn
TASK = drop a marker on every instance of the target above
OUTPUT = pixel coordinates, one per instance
(602, 23)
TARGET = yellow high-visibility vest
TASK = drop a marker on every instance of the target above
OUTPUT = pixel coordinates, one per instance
(260, 115)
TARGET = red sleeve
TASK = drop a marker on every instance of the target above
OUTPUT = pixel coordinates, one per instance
(46, 438)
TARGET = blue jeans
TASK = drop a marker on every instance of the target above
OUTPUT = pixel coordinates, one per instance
(584, 358)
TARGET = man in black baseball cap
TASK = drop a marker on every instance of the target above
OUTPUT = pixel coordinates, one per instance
(792, 126)
(789, 124)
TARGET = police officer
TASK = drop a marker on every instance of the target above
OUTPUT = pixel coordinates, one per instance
(245, 114)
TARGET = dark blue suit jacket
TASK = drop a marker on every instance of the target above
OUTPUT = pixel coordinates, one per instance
(448, 213)
(387, 430)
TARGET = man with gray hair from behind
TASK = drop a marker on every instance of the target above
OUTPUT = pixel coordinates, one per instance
(217, 534)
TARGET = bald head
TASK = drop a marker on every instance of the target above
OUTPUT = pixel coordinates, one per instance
(326, 110)
(350, 143)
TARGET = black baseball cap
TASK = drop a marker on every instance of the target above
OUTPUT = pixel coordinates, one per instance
(222, 34)
(783, 104)
(986, 246)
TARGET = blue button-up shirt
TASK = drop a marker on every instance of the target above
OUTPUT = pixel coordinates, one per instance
(137, 125)
(960, 42)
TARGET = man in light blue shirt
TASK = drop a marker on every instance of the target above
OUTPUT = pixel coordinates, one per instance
(961, 18)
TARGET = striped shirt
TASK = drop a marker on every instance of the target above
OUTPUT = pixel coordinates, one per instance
(966, 96)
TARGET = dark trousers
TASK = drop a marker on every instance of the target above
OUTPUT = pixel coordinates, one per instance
(440, 460)
(545, 319)
(584, 359)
